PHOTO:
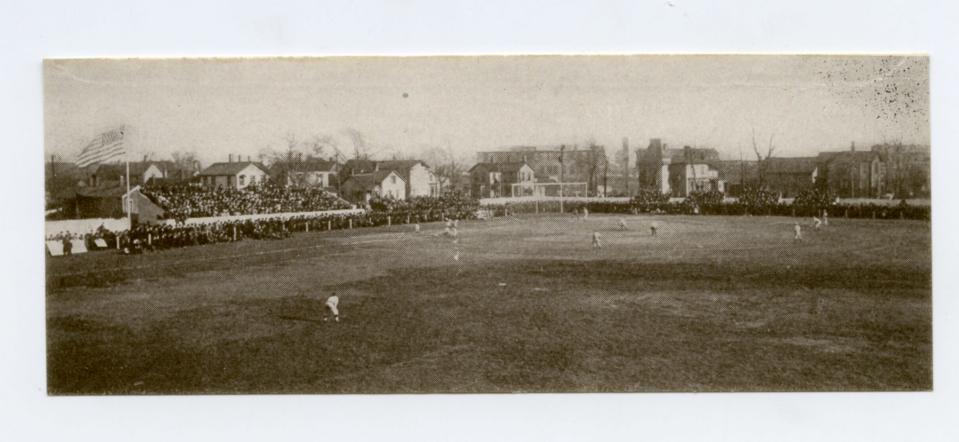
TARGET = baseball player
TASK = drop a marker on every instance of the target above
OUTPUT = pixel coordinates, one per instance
(332, 304)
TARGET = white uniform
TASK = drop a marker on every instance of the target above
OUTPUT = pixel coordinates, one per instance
(585, 213)
(817, 222)
(596, 244)
(798, 231)
(331, 304)
(622, 224)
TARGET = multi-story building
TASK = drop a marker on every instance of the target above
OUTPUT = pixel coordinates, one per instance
(789, 176)
(419, 179)
(678, 172)
(491, 180)
(556, 164)
(853, 174)
(907, 169)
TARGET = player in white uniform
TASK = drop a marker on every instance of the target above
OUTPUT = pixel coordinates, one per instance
(816, 222)
(596, 244)
(332, 304)
(798, 229)
(622, 224)
(585, 213)
(652, 228)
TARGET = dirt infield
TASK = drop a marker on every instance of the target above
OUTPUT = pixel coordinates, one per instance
(516, 304)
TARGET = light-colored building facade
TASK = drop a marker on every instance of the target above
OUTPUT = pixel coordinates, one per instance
(382, 183)
(309, 172)
(233, 175)
(491, 180)
(678, 172)
(419, 178)
(555, 164)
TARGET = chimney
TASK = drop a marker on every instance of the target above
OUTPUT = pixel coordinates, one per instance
(852, 147)
(230, 159)
(655, 143)
(248, 159)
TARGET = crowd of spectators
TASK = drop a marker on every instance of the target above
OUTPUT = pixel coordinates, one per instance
(428, 208)
(183, 201)
(153, 237)
(712, 203)
(89, 239)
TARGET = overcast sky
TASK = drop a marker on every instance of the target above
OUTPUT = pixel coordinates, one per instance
(241, 106)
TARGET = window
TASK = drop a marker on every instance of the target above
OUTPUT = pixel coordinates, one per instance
(242, 180)
(392, 181)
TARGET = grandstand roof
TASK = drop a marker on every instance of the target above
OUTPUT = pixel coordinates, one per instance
(220, 169)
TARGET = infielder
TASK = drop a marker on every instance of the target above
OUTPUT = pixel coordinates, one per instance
(596, 244)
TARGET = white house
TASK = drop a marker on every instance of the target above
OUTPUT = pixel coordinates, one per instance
(420, 180)
(140, 173)
(233, 175)
(383, 183)
(308, 172)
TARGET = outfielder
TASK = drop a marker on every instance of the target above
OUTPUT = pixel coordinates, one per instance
(331, 306)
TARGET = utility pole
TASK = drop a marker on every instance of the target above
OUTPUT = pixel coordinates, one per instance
(625, 158)
(562, 175)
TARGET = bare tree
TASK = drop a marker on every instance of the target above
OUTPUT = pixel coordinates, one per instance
(360, 148)
(762, 163)
(319, 144)
(292, 142)
(443, 162)
(186, 162)
(595, 162)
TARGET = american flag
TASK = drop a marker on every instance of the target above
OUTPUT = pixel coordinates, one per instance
(106, 146)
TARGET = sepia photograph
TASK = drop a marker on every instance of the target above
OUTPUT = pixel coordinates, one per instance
(488, 224)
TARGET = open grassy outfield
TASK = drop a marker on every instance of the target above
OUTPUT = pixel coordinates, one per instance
(709, 304)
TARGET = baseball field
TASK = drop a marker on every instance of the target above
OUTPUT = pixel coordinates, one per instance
(521, 304)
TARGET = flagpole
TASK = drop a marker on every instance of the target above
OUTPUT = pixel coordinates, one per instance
(126, 156)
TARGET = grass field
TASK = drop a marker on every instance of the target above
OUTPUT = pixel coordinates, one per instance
(709, 304)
